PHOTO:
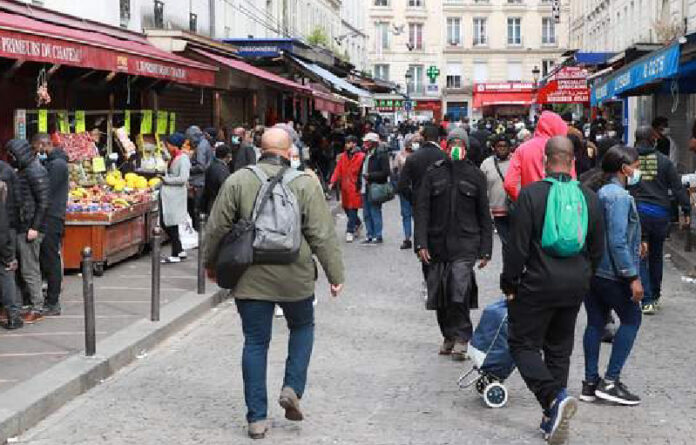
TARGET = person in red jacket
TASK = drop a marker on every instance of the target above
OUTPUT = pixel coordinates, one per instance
(527, 163)
(347, 173)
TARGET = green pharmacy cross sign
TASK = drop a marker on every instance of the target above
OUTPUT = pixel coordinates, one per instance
(433, 72)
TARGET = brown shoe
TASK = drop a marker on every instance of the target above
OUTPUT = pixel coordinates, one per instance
(446, 348)
(32, 317)
(291, 403)
(258, 430)
(459, 351)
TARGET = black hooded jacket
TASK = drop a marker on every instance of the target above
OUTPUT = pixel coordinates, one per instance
(7, 250)
(12, 200)
(59, 182)
(659, 175)
(33, 183)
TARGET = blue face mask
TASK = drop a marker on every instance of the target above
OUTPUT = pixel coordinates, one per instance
(634, 179)
(42, 157)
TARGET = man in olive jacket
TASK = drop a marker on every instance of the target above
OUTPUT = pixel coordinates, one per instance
(290, 286)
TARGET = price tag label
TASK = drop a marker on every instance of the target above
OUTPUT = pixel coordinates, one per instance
(127, 121)
(63, 122)
(172, 123)
(43, 121)
(80, 126)
(146, 122)
(162, 122)
(98, 164)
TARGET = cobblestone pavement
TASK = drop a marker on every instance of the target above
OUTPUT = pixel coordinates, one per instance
(375, 377)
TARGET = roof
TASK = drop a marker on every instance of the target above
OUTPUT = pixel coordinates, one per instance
(339, 84)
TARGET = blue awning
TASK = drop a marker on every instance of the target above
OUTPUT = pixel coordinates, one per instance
(339, 84)
(582, 58)
(656, 66)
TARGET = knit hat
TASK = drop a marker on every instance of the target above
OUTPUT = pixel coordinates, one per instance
(176, 139)
(458, 133)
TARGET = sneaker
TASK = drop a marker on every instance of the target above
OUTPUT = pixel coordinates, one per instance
(171, 260)
(459, 351)
(446, 348)
(545, 426)
(291, 403)
(366, 242)
(562, 410)
(12, 323)
(588, 391)
(279, 312)
(649, 309)
(377, 241)
(183, 255)
(258, 430)
(358, 230)
(616, 392)
(349, 237)
(32, 317)
(407, 244)
(51, 310)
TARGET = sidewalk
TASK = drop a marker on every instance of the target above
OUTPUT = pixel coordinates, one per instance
(675, 247)
(122, 297)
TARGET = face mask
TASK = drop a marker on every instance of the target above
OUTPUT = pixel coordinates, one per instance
(235, 140)
(612, 134)
(634, 178)
(42, 157)
(666, 132)
(415, 146)
(457, 153)
(295, 163)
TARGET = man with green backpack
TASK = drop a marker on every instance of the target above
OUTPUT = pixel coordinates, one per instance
(556, 243)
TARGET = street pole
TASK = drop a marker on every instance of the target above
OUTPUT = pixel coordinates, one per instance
(201, 265)
(155, 252)
(88, 296)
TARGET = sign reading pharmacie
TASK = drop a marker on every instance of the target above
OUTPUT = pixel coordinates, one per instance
(21, 46)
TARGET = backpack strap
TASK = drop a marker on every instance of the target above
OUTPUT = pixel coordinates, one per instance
(497, 167)
(291, 174)
(269, 191)
(258, 171)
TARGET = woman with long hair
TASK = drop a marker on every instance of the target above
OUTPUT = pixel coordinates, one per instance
(616, 284)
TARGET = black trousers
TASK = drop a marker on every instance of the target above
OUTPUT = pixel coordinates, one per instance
(193, 206)
(173, 234)
(535, 327)
(455, 322)
(50, 259)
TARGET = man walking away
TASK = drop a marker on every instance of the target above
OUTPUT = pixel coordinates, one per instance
(411, 145)
(33, 183)
(215, 175)
(527, 163)
(494, 168)
(453, 230)
(545, 290)
(8, 265)
(347, 174)
(290, 286)
(200, 160)
(659, 177)
(375, 170)
(243, 151)
(50, 255)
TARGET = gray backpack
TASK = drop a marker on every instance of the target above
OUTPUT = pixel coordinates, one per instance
(277, 218)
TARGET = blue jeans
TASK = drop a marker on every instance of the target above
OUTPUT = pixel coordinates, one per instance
(353, 220)
(502, 225)
(257, 322)
(372, 213)
(655, 231)
(604, 296)
(406, 217)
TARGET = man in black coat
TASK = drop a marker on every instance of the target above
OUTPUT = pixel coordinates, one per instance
(33, 184)
(545, 291)
(375, 170)
(8, 262)
(418, 163)
(242, 151)
(56, 165)
(453, 230)
(215, 175)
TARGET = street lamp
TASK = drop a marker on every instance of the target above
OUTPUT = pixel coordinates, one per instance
(535, 75)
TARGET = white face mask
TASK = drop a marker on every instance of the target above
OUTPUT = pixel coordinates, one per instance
(666, 132)
(611, 134)
(295, 163)
(415, 146)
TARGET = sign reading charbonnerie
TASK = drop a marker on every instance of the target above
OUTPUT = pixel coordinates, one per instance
(17, 45)
(653, 67)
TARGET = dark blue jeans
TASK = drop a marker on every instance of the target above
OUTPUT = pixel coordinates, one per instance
(406, 217)
(257, 322)
(353, 220)
(655, 231)
(502, 225)
(372, 213)
(604, 296)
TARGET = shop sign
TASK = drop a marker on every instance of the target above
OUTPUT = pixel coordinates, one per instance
(17, 45)
(568, 85)
(389, 105)
(653, 67)
(503, 87)
(432, 89)
(20, 122)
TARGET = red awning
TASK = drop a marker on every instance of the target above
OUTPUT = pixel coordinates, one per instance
(24, 38)
(256, 72)
(328, 102)
(487, 99)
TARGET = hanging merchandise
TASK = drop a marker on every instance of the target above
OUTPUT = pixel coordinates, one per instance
(43, 121)
(42, 95)
(162, 122)
(146, 122)
(80, 126)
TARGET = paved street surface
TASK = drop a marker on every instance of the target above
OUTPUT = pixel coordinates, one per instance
(122, 296)
(375, 377)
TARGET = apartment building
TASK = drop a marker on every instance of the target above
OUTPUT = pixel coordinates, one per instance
(469, 42)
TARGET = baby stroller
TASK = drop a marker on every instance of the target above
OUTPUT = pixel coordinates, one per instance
(489, 351)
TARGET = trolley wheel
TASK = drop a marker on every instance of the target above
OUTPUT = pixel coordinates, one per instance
(495, 395)
(481, 384)
(98, 269)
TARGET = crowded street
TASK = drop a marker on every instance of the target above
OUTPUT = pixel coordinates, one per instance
(375, 375)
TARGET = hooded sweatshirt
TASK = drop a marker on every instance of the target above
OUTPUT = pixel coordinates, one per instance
(527, 163)
(203, 155)
(659, 175)
(33, 183)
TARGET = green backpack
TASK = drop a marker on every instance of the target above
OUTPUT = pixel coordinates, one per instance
(565, 223)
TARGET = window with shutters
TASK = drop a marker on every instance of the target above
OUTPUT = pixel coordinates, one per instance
(454, 75)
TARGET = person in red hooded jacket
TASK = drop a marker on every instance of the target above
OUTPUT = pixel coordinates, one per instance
(347, 173)
(527, 163)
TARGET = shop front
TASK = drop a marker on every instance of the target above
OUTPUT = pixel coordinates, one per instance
(93, 89)
(506, 99)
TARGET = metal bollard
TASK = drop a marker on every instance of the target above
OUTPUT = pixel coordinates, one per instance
(201, 266)
(88, 295)
(155, 287)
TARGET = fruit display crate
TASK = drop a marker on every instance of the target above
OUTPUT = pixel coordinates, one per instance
(113, 236)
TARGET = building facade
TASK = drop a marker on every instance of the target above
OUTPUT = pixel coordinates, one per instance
(448, 46)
